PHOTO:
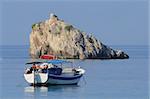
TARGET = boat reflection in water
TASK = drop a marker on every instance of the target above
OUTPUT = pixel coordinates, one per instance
(34, 92)
(37, 92)
(31, 89)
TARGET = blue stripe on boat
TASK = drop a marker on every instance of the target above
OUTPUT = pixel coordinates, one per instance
(64, 78)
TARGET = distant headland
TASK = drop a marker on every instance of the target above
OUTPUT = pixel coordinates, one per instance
(56, 37)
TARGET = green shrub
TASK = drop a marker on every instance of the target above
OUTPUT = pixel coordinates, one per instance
(68, 27)
(60, 28)
(41, 33)
(33, 26)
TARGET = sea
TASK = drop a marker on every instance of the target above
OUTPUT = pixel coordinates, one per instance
(104, 79)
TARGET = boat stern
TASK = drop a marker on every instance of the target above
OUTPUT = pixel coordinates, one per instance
(37, 78)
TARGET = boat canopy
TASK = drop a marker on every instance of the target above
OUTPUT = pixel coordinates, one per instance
(36, 62)
(58, 61)
(50, 62)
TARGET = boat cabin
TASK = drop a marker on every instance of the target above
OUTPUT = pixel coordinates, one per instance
(55, 67)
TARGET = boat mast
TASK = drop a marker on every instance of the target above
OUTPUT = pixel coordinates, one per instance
(34, 77)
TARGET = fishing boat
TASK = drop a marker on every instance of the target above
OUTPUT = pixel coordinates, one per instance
(54, 72)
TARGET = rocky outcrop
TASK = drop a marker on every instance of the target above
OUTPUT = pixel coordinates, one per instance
(54, 36)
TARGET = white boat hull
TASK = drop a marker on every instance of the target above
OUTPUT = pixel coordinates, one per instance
(45, 78)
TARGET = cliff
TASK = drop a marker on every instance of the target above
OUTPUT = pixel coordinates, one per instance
(54, 36)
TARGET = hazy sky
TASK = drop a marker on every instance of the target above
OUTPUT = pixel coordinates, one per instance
(114, 22)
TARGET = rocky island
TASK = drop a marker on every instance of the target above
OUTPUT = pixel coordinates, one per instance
(56, 37)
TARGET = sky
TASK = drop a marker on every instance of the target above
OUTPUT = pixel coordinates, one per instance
(113, 22)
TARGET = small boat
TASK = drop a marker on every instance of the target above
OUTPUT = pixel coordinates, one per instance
(53, 72)
(48, 57)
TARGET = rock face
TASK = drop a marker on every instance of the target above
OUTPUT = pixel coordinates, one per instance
(54, 36)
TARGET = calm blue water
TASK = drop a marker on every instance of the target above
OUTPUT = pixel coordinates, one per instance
(104, 79)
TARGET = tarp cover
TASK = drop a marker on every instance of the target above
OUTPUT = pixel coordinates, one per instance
(58, 61)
